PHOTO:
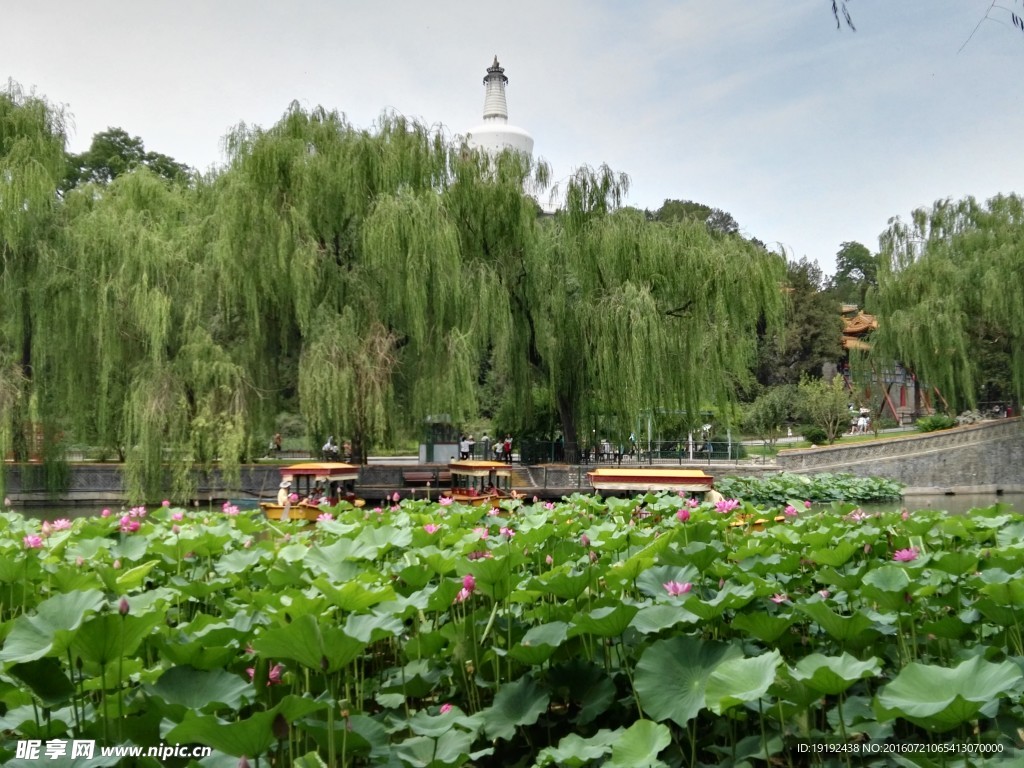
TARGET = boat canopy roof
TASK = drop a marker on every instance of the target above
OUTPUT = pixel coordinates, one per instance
(480, 468)
(331, 471)
(651, 479)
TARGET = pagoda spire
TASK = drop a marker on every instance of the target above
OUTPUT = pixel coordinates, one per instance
(495, 106)
(495, 135)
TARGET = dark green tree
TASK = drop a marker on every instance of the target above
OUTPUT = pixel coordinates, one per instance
(114, 152)
(715, 219)
(812, 332)
(856, 273)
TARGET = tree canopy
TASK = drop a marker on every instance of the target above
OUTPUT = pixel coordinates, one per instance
(951, 296)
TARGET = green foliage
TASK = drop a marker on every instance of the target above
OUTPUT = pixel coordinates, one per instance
(113, 153)
(613, 631)
(779, 489)
(815, 435)
(950, 298)
(934, 422)
(811, 333)
(824, 404)
(856, 273)
(769, 413)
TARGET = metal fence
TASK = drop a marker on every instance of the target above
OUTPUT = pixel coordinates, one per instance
(657, 452)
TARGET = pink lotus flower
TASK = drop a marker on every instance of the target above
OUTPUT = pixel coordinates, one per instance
(683, 515)
(116, 565)
(584, 540)
(123, 607)
(693, 503)
(790, 511)
(178, 516)
(231, 510)
(395, 497)
(79, 561)
(247, 544)
(394, 508)
(137, 512)
(446, 708)
(807, 504)
(779, 597)
(549, 560)
(726, 505)
(7, 501)
(431, 528)
(905, 555)
(594, 557)
(128, 525)
(857, 516)
(463, 595)
(507, 532)
(165, 503)
(175, 529)
(469, 582)
(823, 593)
(444, 501)
(482, 532)
(105, 513)
(273, 674)
(61, 524)
(324, 517)
(549, 505)
(676, 588)
(32, 541)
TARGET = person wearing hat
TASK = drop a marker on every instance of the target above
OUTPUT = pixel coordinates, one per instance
(283, 500)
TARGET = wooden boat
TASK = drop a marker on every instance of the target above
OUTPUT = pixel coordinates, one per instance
(479, 482)
(651, 479)
(335, 481)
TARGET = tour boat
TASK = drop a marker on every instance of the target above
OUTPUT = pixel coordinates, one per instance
(479, 482)
(651, 479)
(335, 481)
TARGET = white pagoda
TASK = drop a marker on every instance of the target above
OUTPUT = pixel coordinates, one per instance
(495, 134)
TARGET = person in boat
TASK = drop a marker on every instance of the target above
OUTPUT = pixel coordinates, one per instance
(283, 498)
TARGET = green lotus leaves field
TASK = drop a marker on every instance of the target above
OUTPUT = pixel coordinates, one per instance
(648, 632)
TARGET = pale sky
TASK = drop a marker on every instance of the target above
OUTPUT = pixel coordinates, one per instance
(808, 135)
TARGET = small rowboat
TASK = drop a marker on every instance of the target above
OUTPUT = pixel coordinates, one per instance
(479, 482)
(651, 479)
(311, 482)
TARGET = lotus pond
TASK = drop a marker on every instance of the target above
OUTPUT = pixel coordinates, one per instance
(644, 632)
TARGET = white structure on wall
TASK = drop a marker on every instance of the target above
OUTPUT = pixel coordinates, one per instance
(496, 134)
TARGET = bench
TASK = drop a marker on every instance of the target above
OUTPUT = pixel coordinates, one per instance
(432, 478)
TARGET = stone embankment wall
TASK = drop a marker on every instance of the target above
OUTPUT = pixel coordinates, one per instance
(982, 458)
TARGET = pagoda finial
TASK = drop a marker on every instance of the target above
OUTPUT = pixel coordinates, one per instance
(495, 107)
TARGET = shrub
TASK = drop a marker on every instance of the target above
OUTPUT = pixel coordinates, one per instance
(935, 422)
(815, 435)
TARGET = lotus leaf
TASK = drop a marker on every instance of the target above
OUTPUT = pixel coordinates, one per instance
(942, 698)
(515, 704)
(638, 746)
(832, 675)
(672, 675)
(738, 681)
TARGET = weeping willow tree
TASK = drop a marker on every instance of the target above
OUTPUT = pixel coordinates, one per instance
(632, 316)
(950, 298)
(140, 357)
(32, 165)
(293, 211)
